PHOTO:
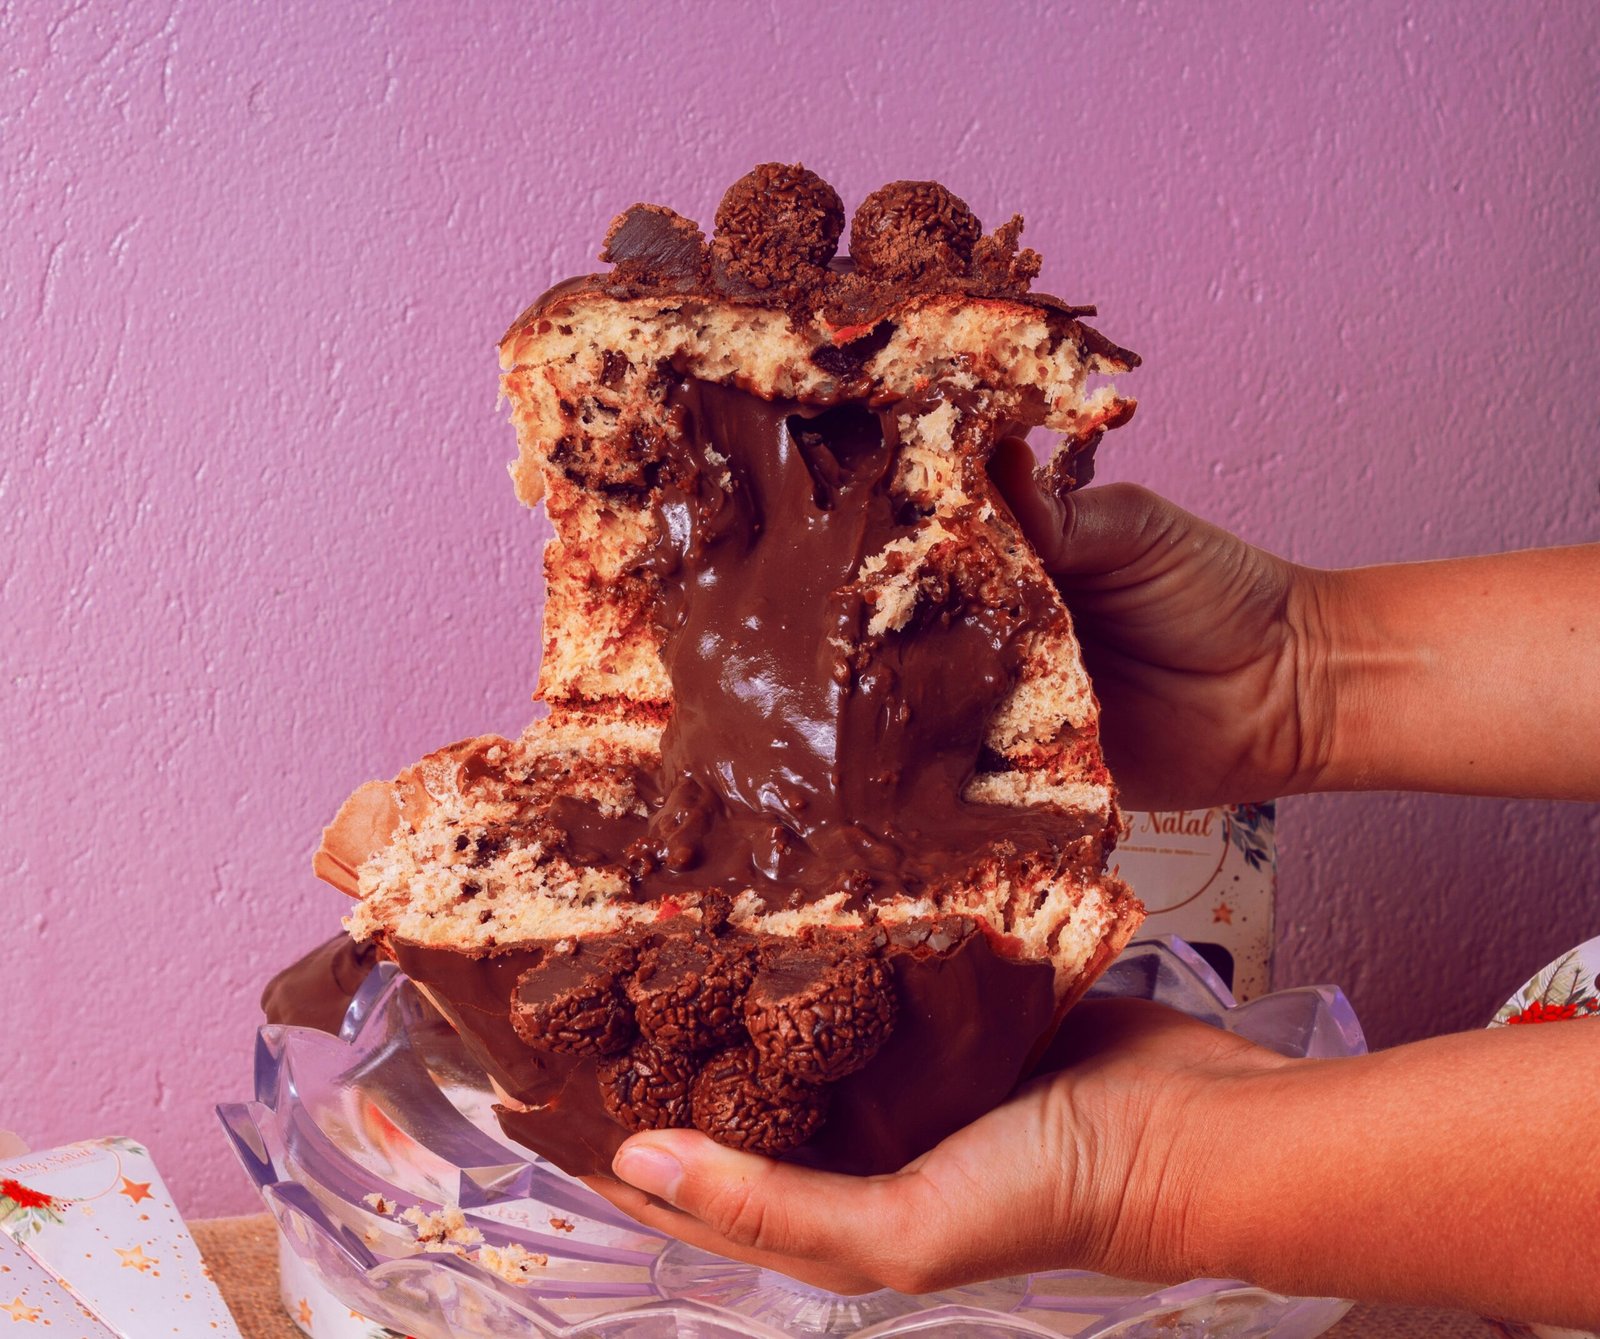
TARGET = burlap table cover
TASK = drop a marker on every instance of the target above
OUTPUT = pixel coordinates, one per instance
(243, 1255)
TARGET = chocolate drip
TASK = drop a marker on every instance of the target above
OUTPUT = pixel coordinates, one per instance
(804, 756)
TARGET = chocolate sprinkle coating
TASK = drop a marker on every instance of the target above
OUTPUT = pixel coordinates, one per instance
(820, 1021)
(572, 1007)
(1001, 266)
(742, 1105)
(909, 229)
(687, 995)
(648, 1088)
(777, 226)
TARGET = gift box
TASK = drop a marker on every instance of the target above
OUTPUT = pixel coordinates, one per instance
(31, 1295)
(93, 1245)
(1208, 876)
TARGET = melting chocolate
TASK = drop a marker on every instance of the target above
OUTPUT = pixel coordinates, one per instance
(803, 756)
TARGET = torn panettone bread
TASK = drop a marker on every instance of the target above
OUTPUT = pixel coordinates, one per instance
(810, 849)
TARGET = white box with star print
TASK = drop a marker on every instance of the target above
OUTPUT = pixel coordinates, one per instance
(1208, 876)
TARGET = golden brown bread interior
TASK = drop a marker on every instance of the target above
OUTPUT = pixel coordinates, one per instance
(469, 864)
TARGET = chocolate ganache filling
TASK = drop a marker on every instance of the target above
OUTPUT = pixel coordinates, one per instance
(806, 756)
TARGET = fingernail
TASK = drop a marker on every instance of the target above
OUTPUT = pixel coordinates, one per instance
(651, 1170)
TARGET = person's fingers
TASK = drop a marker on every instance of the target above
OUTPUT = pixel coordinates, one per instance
(755, 1202)
(775, 1209)
(653, 1213)
(1116, 527)
(1088, 532)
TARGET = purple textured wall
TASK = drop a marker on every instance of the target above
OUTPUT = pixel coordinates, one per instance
(259, 542)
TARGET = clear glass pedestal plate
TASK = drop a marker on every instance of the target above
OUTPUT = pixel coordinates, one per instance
(346, 1133)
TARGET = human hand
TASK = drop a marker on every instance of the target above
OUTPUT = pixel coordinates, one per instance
(1088, 1167)
(1205, 652)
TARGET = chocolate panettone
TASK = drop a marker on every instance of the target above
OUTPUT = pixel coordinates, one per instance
(809, 850)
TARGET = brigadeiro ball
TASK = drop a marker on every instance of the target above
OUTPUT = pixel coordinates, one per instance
(817, 1020)
(742, 1105)
(687, 995)
(647, 1088)
(909, 229)
(573, 1004)
(776, 223)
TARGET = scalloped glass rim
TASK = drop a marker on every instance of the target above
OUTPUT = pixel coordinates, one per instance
(393, 1107)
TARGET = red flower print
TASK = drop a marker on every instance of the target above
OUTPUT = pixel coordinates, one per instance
(1540, 1012)
(25, 1198)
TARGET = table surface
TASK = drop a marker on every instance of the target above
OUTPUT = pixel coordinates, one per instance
(243, 1255)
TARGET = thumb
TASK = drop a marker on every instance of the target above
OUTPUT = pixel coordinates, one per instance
(764, 1206)
(1084, 533)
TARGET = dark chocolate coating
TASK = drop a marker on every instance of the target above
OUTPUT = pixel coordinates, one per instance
(655, 245)
(968, 1022)
(316, 991)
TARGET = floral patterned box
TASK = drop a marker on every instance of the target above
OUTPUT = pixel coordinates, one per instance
(1209, 876)
(1568, 988)
(92, 1244)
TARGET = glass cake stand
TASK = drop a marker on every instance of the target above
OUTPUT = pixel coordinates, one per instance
(347, 1132)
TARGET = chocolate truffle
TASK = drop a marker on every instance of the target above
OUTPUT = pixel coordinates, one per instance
(647, 1088)
(818, 1018)
(573, 1002)
(740, 1104)
(687, 994)
(776, 225)
(909, 229)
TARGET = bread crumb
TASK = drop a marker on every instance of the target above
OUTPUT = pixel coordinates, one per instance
(512, 1263)
(563, 1224)
(446, 1232)
(377, 1203)
(442, 1229)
